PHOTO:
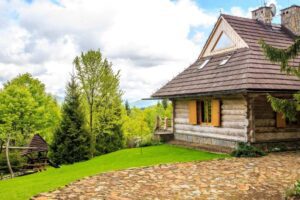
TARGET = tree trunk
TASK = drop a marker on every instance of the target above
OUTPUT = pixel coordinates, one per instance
(91, 129)
(7, 157)
(1, 145)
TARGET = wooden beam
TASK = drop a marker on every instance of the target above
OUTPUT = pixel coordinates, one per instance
(21, 147)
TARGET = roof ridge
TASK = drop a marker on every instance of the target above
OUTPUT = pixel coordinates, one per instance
(249, 19)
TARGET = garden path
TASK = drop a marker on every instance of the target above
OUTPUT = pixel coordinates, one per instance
(232, 178)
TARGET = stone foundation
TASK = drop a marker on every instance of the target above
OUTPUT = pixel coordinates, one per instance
(278, 146)
(205, 140)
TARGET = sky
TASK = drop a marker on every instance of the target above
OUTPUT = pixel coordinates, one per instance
(149, 41)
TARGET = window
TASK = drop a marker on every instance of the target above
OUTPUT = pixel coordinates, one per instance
(204, 111)
(223, 42)
(203, 64)
(225, 60)
(207, 112)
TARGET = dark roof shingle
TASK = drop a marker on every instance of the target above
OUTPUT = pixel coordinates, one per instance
(247, 68)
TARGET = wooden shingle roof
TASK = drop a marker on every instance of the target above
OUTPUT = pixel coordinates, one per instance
(37, 144)
(247, 69)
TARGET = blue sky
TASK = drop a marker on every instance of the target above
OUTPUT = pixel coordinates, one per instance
(150, 41)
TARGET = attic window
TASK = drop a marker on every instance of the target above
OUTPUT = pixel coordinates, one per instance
(225, 60)
(204, 63)
(223, 42)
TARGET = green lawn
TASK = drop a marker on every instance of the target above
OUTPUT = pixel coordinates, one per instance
(25, 187)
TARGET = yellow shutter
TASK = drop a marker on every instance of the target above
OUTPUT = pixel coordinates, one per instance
(215, 112)
(280, 120)
(193, 112)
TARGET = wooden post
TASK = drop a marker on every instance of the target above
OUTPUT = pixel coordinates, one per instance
(157, 123)
(173, 115)
(7, 157)
(166, 123)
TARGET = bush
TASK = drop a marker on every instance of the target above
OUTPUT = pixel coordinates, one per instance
(246, 150)
(16, 162)
(142, 142)
(294, 191)
(151, 142)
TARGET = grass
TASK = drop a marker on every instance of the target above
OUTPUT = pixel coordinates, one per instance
(27, 186)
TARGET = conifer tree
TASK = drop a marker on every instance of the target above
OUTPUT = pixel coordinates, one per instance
(127, 107)
(72, 140)
(109, 135)
(284, 57)
(164, 103)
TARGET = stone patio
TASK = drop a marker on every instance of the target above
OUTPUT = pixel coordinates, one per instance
(233, 178)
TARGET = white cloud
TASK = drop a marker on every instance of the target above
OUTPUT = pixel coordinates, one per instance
(148, 40)
(238, 11)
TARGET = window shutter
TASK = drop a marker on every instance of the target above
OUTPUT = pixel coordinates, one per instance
(215, 112)
(280, 120)
(193, 112)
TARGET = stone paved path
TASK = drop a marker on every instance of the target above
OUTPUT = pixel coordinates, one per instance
(243, 178)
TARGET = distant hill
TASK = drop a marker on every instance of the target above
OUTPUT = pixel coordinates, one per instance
(143, 103)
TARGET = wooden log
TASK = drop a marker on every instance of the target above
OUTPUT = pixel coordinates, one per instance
(182, 115)
(277, 136)
(234, 102)
(216, 130)
(235, 124)
(231, 118)
(181, 121)
(234, 112)
(181, 110)
(234, 107)
(182, 104)
(265, 123)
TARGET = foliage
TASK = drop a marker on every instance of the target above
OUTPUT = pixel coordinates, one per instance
(15, 159)
(27, 98)
(127, 107)
(151, 142)
(164, 103)
(89, 67)
(72, 140)
(284, 57)
(286, 106)
(108, 126)
(27, 186)
(103, 95)
(294, 191)
(246, 150)
(16, 113)
(141, 123)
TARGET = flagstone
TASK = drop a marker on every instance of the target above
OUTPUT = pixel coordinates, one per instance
(233, 178)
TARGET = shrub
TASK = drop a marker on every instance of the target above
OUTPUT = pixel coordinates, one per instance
(142, 142)
(246, 150)
(294, 191)
(151, 142)
(16, 162)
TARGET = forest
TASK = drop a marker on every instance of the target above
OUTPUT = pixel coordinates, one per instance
(92, 120)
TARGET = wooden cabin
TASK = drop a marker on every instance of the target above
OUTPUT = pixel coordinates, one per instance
(221, 99)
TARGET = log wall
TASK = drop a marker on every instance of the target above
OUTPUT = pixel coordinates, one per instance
(265, 129)
(233, 127)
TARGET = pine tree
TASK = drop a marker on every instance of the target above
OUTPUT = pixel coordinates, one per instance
(283, 57)
(164, 103)
(109, 135)
(127, 108)
(72, 140)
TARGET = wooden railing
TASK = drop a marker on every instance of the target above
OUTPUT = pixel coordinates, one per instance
(163, 124)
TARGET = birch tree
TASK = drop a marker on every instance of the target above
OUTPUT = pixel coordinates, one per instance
(89, 70)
